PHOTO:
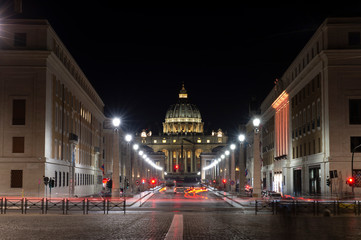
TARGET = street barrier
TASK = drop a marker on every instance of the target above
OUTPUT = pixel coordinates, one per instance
(264, 206)
(34, 203)
(75, 204)
(113, 204)
(95, 205)
(55, 204)
(14, 204)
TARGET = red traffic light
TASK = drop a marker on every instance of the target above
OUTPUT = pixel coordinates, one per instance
(105, 180)
(350, 181)
(224, 181)
(176, 166)
(152, 181)
(143, 181)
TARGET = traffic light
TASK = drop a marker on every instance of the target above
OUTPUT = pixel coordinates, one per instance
(51, 183)
(328, 182)
(224, 181)
(110, 184)
(176, 167)
(152, 181)
(350, 181)
(105, 180)
(46, 180)
(143, 181)
(127, 182)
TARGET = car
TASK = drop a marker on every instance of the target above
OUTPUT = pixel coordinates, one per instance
(272, 196)
(169, 189)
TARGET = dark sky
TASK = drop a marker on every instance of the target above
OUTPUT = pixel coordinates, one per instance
(137, 58)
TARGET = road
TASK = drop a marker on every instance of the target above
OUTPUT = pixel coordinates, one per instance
(176, 216)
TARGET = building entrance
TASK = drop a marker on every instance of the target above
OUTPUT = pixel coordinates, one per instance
(297, 183)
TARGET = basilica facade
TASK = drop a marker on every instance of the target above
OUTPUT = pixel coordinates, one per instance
(183, 140)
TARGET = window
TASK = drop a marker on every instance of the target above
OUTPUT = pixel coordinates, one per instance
(18, 144)
(19, 39)
(59, 179)
(355, 141)
(19, 112)
(63, 179)
(67, 179)
(56, 179)
(16, 178)
(353, 38)
(355, 111)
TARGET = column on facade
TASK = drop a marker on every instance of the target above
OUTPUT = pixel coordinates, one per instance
(232, 171)
(256, 166)
(192, 160)
(185, 160)
(177, 158)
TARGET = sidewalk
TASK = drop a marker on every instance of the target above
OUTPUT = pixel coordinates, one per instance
(139, 199)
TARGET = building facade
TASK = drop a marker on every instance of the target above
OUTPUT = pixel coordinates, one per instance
(310, 120)
(51, 121)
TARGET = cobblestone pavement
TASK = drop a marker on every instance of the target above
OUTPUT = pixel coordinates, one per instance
(199, 218)
(196, 225)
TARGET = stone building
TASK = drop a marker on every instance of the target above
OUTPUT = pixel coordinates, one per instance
(311, 119)
(51, 119)
(183, 139)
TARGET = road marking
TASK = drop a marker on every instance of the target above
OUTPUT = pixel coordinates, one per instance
(176, 228)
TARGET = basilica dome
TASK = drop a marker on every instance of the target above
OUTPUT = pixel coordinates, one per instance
(183, 117)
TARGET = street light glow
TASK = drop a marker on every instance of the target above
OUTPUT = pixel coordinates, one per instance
(227, 152)
(256, 122)
(135, 147)
(141, 153)
(116, 122)
(241, 137)
(128, 138)
(233, 146)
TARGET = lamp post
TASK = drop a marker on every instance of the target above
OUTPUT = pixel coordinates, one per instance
(256, 159)
(135, 148)
(242, 164)
(128, 139)
(232, 169)
(115, 175)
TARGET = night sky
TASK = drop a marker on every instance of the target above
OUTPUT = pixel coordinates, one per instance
(137, 58)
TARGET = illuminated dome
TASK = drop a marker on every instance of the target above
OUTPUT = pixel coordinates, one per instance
(183, 117)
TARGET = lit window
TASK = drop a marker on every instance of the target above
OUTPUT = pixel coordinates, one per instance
(164, 141)
(199, 141)
(208, 141)
(155, 141)
(174, 140)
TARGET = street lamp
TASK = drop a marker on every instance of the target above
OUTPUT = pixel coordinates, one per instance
(233, 175)
(115, 175)
(256, 159)
(128, 139)
(242, 164)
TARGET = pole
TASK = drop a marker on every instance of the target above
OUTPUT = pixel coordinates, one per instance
(115, 175)
(256, 165)
(353, 151)
(242, 176)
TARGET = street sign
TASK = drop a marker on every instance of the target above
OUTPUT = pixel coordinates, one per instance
(232, 182)
(137, 182)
